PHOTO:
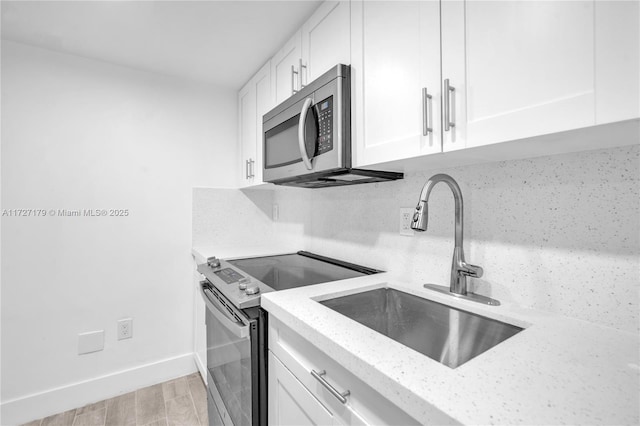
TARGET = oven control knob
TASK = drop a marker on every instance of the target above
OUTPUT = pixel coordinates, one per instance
(213, 262)
(252, 289)
(243, 282)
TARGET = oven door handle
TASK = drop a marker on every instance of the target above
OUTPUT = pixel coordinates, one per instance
(301, 128)
(239, 329)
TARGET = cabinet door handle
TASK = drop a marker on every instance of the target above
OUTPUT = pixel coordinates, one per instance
(246, 169)
(427, 127)
(342, 397)
(293, 88)
(449, 117)
(252, 173)
(300, 71)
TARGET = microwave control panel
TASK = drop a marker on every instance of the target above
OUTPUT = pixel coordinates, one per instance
(325, 125)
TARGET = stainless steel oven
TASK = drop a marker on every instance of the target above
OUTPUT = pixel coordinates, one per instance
(235, 356)
(237, 326)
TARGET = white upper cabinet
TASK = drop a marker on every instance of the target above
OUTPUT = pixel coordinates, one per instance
(254, 100)
(265, 101)
(438, 76)
(326, 39)
(494, 71)
(516, 69)
(285, 74)
(617, 60)
(396, 80)
(247, 130)
(321, 43)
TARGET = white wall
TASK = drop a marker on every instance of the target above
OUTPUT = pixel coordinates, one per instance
(83, 134)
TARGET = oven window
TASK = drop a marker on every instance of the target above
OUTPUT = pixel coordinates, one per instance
(229, 368)
(281, 144)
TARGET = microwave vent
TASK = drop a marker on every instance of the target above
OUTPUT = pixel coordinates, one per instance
(340, 177)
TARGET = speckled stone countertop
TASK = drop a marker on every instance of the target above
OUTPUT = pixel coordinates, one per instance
(557, 371)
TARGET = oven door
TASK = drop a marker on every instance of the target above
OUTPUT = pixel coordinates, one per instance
(232, 362)
(307, 137)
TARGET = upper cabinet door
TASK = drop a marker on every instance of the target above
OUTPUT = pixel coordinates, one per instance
(285, 75)
(325, 40)
(617, 60)
(264, 103)
(254, 100)
(247, 131)
(396, 80)
(515, 69)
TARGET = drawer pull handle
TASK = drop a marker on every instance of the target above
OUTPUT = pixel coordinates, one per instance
(341, 396)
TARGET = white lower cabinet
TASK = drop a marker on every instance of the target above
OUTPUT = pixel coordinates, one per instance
(290, 403)
(296, 397)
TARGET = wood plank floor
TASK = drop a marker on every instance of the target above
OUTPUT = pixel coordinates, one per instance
(182, 401)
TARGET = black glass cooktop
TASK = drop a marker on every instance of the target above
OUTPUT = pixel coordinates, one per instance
(299, 269)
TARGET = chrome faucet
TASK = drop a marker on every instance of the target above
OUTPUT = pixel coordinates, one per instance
(460, 269)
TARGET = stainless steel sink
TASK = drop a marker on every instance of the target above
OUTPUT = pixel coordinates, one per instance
(445, 334)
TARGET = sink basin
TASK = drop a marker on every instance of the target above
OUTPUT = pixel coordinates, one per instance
(448, 335)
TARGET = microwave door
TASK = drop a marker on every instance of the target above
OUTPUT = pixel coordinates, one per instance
(282, 153)
(317, 134)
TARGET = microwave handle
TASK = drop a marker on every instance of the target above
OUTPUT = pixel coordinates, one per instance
(301, 125)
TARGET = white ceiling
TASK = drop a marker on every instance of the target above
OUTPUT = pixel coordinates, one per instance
(217, 42)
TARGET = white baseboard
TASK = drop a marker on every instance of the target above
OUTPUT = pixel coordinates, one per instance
(75, 395)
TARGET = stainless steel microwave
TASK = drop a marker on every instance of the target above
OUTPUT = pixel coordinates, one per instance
(307, 138)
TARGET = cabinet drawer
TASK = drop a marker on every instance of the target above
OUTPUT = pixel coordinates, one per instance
(292, 404)
(363, 405)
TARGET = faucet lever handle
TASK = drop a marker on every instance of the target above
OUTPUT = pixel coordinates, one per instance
(471, 270)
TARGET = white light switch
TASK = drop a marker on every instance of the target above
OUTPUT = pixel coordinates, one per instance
(91, 341)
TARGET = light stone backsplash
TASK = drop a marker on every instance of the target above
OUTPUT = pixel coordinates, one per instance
(558, 233)
(227, 217)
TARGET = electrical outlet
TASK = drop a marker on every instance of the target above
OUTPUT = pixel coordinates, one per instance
(125, 328)
(406, 216)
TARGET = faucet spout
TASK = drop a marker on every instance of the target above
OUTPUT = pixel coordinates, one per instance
(460, 269)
